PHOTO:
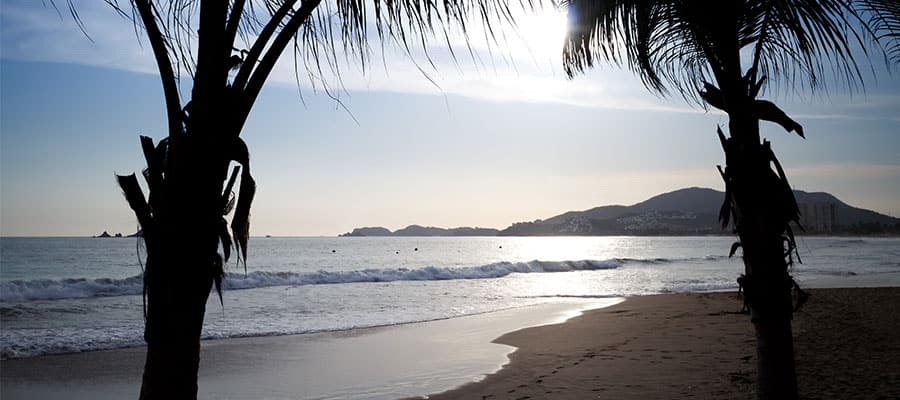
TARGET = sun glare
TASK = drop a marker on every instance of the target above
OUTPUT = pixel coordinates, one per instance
(542, 34)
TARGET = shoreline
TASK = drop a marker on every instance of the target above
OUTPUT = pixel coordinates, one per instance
(355, 331)
(696, 345)
(664, 346)
(387, 362)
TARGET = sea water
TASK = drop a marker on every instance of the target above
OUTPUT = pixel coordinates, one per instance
(62, 295)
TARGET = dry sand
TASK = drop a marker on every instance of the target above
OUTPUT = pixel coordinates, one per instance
(683, 346)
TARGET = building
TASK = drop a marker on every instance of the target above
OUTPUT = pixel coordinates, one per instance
(817, 217)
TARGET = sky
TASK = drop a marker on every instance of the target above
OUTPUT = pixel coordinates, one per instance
(486, 142)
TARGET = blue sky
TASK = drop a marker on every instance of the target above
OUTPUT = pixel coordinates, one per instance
(497, 141)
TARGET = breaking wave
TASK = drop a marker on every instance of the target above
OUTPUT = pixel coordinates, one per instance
(55, 289)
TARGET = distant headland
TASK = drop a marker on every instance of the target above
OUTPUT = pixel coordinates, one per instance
(690, 211)
(417, 230)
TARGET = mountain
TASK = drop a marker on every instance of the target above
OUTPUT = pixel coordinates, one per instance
(694, 211)
(698, 200)
(690, 211)
(418, 230)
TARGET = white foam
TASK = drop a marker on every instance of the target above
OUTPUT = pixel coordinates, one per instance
(52, 289)
(49, 289)
(496, 270)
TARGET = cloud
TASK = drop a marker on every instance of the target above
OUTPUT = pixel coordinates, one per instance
(523, 66)
(30, 32)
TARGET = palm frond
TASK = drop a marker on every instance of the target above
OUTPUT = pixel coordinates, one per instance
(806, 42)
(334, 28)
(655, 39)
(883, 17)
(321, 33)
(675, 44)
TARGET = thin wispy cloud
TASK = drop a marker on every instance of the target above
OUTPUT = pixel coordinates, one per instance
(522, 65)
(517, 66)
(32, 32)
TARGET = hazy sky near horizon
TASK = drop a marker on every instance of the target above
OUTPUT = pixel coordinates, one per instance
(497, 140)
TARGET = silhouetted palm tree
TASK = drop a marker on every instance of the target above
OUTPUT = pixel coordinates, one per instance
(229, 48)
(720, 53)
(883, 18)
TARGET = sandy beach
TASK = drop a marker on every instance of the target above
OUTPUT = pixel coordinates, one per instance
(373, 363)
(672, 346)
(681, 346)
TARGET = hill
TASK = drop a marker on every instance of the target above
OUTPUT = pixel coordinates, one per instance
(418, 230)
(690, 211)
(694, 211)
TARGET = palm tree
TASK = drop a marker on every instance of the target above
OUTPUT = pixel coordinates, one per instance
(720, 53)
(229, 49)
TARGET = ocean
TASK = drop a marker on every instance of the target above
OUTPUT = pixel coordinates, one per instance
(65, 295)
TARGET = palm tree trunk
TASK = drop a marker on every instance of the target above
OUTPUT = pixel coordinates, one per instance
(181, 226)
(177, 289)
(759, 207)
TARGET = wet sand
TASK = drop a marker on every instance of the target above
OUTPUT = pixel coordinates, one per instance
(683, 346)
(673, 346)
(374, 363)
